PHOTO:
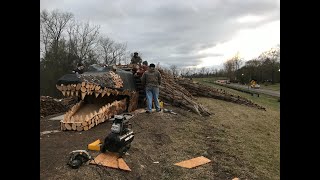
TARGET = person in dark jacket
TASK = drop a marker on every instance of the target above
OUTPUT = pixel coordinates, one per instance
(151, 79)
(136, 59)
(79, 69)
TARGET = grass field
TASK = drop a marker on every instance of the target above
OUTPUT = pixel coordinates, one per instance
(263, 100)
(252, 136)
(274, 87)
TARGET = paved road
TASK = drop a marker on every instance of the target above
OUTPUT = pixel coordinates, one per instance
(262, 91)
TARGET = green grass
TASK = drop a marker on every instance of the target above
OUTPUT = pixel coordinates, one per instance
(274, 87)
(250, 144)
(263, 100)
(251, 136)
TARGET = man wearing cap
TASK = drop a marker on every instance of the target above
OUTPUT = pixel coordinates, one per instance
(151, 79)
(79, 69)
(142, 69)
(136, 59)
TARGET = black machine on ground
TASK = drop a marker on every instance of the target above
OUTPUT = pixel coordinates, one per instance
(120, 138)
(78, 157)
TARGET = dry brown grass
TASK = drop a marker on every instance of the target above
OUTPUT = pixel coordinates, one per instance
(249, 136)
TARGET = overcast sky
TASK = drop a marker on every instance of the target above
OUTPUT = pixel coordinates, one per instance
(183, 32)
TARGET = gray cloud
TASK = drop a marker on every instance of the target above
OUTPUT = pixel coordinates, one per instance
(159, 29)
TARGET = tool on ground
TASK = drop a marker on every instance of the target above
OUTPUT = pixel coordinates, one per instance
(95, 146)
(169, 111)
(120, 138)
(78, 157)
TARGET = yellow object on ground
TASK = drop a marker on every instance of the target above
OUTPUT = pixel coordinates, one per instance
(160, 103)
(110, 160)
(191, 163)
(95, 146)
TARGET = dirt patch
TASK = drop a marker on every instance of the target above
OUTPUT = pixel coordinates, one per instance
(161, 140)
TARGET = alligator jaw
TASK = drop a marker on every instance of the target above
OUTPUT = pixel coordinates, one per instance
(97, 104)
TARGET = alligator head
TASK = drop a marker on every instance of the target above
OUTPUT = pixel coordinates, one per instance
(102, 92)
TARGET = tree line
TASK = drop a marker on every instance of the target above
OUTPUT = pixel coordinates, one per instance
(264, 68)
(64, 42)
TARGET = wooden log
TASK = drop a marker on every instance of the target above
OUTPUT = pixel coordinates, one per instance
(68, 127)
(74, 127)
(83, 89)
(85, 128)
(84, 123)
(83, 94)
(79, 128)
(97, 88)
(78, 87)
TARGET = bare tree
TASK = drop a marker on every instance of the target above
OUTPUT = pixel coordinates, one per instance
(174, 70)
(229, 68)
(52, 26)
(83, 39)
(237, 61)
(120, 49)
(271, 59)
(105, 49)
(202, 71)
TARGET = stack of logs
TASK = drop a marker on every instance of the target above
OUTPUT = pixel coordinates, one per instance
(118, 83)
(108, 79)
(80, 123)
(181, 92)
(202, 90)
(175, 94)
(49, 106)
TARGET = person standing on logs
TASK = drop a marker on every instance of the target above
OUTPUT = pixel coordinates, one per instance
(79, 69)
(151, 79)
(135, 62)
(136, 59)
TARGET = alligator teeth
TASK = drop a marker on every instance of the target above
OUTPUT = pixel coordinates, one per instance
(83, 89)
(97, 94)
(78, 87)
(72, 93)
(83, 94)
(97, 88)
(77, 93)
(87, 118)
(64, 93)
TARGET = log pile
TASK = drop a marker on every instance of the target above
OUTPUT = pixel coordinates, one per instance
(78, 122)
(49, 106)
(108, 79)
(202, 90)
(175, 94)
(134, 98)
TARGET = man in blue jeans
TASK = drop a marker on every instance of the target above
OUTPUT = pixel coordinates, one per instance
(151, 79)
